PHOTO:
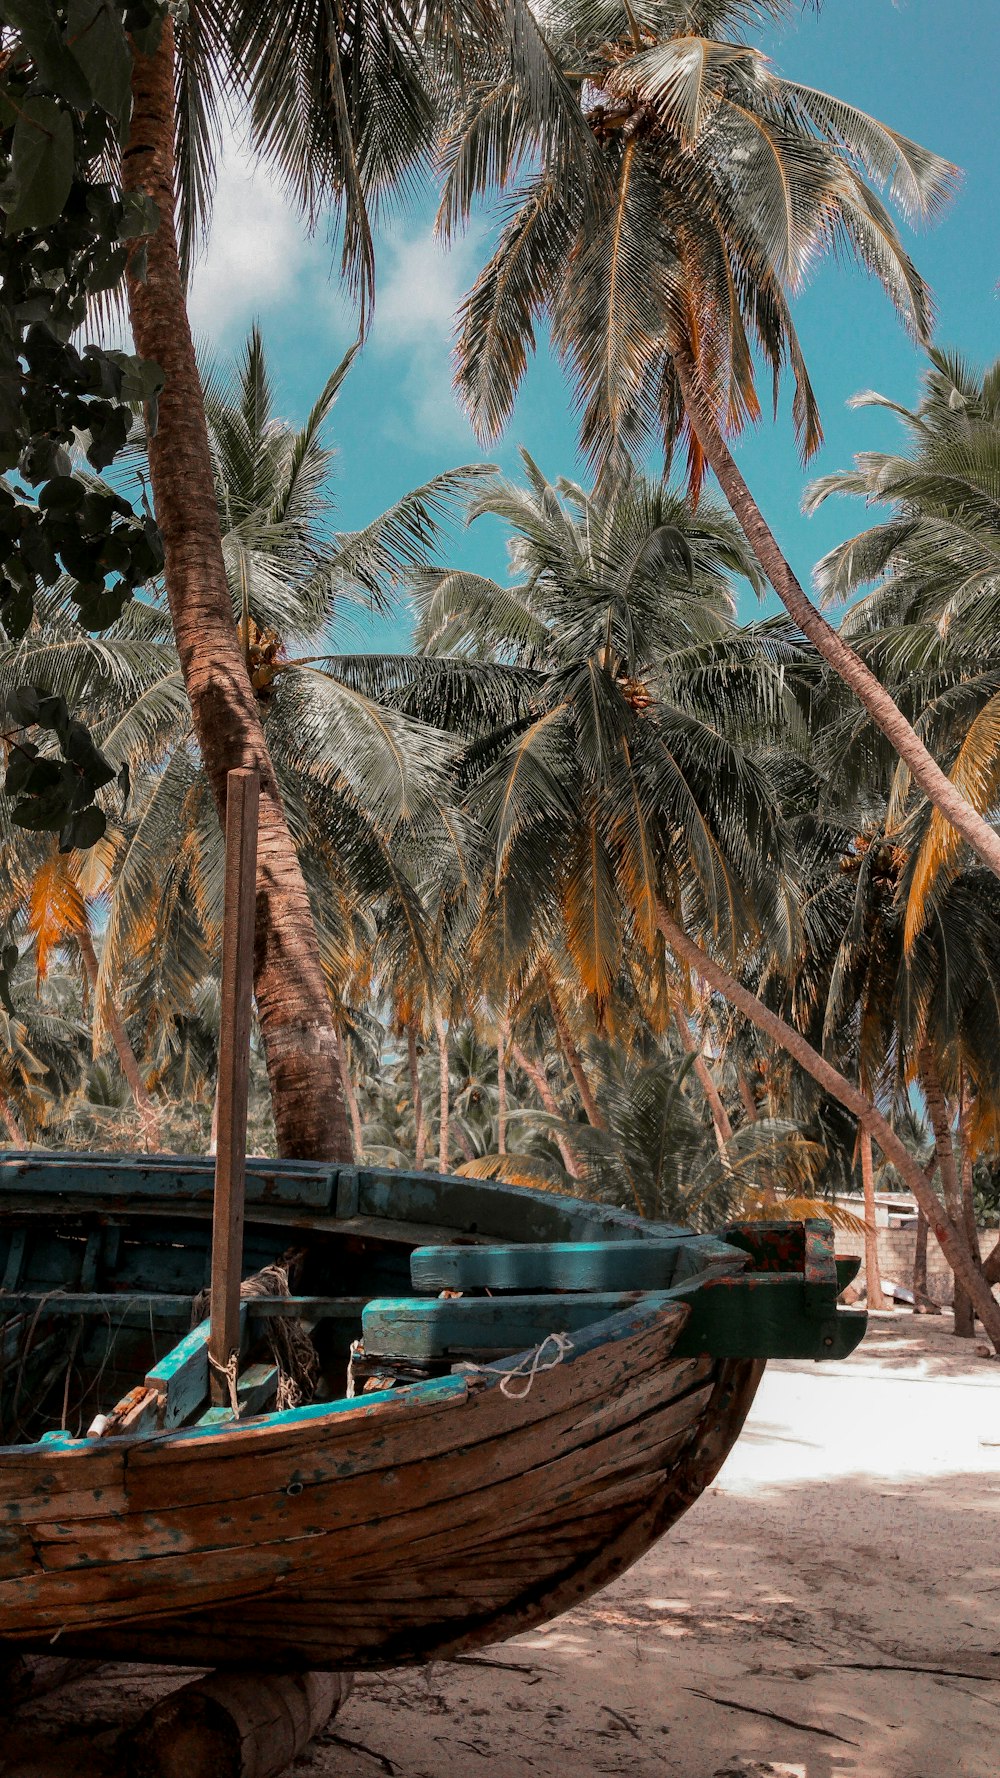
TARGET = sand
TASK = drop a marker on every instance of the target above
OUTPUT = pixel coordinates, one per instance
(829, 1609)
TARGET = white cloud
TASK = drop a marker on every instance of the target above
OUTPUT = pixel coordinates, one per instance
(258, 252)
(420, 287)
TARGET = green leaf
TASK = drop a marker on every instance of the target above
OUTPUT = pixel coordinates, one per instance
(55, 64)
(64, 493)
(42, 165)
(97, 39)
(83, 829)
(43, 813)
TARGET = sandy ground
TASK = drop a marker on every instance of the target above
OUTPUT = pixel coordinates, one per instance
(828, 1610)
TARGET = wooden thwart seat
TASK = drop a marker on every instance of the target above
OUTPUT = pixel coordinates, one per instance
(571, 1265)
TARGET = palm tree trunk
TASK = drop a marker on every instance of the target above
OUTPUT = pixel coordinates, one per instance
(840, 1088)
(123, 1048)
(919, 1281)
(351, 1097)
(463, 1141)
(940, 1115)
(571, 1053)
(873, 1276)
(720, 1117)
(537, 1076)
(502, 1038)
(968, 1196)
(444, 1079)
(849, 666)
(416, 1096)
(750, 1105)
(293, 1006)
(9, 1116)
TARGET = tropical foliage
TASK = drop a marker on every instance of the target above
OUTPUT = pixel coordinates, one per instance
(599, 887)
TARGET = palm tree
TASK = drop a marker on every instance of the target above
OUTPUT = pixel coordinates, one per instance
(363, 785)
(929, 618)
(341, 102)
(664, 255)
(618, 729)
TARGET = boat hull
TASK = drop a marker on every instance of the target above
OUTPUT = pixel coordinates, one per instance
(395, 1529)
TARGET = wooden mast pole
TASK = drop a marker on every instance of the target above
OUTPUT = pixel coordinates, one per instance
(242, 791)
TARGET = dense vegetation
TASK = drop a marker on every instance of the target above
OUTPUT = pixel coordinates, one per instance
(600, 886)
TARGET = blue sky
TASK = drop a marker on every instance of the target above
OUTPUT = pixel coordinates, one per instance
(927, 68)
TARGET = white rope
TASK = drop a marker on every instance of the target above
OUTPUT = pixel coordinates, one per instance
(229, 1374)
(528, 1369)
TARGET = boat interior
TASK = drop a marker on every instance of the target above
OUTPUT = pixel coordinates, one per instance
(357, 1280)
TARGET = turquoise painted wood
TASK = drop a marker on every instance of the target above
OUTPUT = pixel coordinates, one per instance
(121, 1309)
(848, 1267)
(281, 1184)
(404, 1327)
(482, 1207)
(256, 1389)
(561, 1265)
(436, 1392)
(181, 1378)
(766, 1315)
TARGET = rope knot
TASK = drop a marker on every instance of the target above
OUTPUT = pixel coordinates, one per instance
(532, 1364)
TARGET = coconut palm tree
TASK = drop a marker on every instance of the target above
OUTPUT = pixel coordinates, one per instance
(930, 575)
(664, 256)
(618, 761)
(363, 785)
(342, 102)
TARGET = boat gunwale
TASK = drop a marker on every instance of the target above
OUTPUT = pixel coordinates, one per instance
(652, 1308)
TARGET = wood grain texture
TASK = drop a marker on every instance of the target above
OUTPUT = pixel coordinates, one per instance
(361, 1524)
(232, 1090)
(250, 1725)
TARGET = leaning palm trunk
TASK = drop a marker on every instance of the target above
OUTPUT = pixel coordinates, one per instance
(720, 1116)
(293, 1005)
(123, 1048)
(419, 1122)
(502, 1041)
(548, 1098)
(838, 654)
(444, 1083)
(570, 1052)
(840, 1088)
(9, 1117)
(940, 1116)
(351, 1097)
(873, 1275)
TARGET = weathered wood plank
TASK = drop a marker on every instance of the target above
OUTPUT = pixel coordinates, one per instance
(256, 1388)
(360, 1515)
(181, 1378)
(232, 1091)
(15, 1258)
(240, 1726)
(406, 1327)
(304, 1185)
(576, 1265)
(766, 1315)
(484, 1208)
(400, 1519)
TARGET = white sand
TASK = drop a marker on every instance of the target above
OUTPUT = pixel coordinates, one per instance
(843, 1573)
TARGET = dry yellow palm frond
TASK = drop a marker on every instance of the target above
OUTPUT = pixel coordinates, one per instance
(56, 907)
(513, 1169)
(976, 773)
(765, 1206)
(94, 868)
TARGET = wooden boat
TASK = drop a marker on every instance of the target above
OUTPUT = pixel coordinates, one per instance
(555, 1382)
